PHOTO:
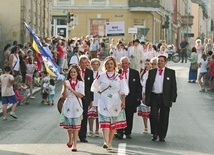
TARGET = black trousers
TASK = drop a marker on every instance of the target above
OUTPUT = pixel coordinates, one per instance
(159, 125)
(83, 129)
(184, 55)
(129, 120)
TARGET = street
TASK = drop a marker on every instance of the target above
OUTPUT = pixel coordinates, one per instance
(190, 132)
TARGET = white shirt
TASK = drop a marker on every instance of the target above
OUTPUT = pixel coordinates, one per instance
(203, 68)
(52, 89)
(30, 69)
(127, 75)
(16, 62)
(5, 79)
(158, 84)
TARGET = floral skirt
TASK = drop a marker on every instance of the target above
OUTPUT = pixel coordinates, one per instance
(70, 123)
(92, 112)
(112, 123)
(143, 111)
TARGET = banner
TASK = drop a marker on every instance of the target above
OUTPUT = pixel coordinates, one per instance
(51, 67)
(115, 29)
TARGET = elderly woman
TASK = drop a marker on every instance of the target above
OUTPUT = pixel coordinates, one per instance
(163, 51)
(199, 49)
(113, 90)
(92, 112)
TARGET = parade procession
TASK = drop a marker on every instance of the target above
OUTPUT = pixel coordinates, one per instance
(123, 77)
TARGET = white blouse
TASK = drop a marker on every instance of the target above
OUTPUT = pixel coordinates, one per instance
(110, 99)
(72, 107)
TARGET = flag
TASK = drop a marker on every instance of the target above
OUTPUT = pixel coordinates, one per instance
(51, 67)
(35, 47)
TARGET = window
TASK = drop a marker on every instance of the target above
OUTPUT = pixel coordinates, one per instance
(61, 21)
(97, 27)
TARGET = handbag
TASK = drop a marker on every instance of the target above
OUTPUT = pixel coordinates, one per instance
(194, 66)
(60, 104)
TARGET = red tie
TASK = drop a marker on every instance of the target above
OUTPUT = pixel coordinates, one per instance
(125, 72)
(83, 73)
(160, 71)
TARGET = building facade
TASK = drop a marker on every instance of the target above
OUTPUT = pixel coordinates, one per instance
(90, 17)
(36, 13)
(202, 27)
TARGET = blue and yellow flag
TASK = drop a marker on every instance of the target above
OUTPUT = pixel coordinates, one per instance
(51, 67)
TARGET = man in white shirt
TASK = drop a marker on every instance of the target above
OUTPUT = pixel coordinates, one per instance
(161, 91)
(135, 55)
(132, 78)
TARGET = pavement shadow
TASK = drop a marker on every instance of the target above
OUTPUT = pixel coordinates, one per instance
(3, 152)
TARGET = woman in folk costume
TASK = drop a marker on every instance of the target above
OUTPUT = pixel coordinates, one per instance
(143, 110)
(113, 90)
(121, 52)
(93, 112)
(70, 118)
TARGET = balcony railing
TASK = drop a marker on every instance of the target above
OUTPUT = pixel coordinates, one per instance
(144, 3)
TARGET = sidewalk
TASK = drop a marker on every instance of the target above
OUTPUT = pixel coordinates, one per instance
(35, 90)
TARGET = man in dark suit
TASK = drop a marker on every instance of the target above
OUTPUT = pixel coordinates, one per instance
(87, 76)
(132, 78)
(161, 91)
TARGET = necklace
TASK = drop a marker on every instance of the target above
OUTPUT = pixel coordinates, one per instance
(110, 77)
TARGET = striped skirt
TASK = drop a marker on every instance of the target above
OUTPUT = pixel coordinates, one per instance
(92, 112)
(143, 111)
(70, 123)
(113, 123)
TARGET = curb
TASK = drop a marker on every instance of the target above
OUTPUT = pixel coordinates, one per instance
(35, 92)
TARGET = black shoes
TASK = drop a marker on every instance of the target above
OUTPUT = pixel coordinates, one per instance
(162, 140)
(83, 140)
(128, 137)
(154, 138)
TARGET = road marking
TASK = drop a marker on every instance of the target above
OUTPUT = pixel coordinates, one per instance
(122, 149)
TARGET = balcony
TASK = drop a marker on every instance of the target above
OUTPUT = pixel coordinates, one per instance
(187, 20)
(144, 5)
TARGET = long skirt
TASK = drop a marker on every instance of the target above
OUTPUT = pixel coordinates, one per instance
(112, 123)
(193, 74)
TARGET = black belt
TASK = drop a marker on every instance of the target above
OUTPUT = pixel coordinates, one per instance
(160, 94)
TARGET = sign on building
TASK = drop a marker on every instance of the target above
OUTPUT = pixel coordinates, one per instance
(132, 30)
(115, 29)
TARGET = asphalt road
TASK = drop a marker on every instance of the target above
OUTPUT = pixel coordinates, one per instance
(190, 132)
